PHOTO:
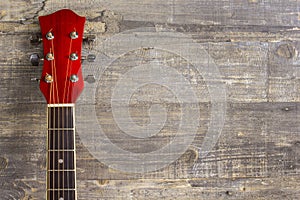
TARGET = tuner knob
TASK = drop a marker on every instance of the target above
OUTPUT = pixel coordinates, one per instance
(35, 39)
(90, 79)
(35, 59)
(35, 80)
(89, 38)
(89, 58)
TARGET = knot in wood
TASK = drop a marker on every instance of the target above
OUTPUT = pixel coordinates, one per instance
(286, 51)
(3, 163)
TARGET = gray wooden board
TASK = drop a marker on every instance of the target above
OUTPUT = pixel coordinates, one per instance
(255, 45)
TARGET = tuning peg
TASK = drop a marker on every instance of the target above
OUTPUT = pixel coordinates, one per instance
(35, 59)
(89, 39)
(90, 79)
(35, 79)
(89, 58)
(35, 39)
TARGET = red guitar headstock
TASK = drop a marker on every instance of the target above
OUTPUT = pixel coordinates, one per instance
(62, 34)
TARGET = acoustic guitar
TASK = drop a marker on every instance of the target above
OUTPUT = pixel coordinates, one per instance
(61, 83)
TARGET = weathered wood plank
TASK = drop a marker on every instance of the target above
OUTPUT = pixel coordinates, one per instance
(252, 71)
(229, 12)
(238, 153)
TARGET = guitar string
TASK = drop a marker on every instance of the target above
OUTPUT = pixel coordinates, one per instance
(50, 121)
(56, 124)
(67, 139)
(62, 165)
(68, 71)
(52, 117)
(67, 116)
(68, 161)
(69, 64)
(58, 118)
(55, 120)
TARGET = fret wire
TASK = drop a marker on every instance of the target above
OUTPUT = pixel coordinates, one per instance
(61, 105)
(53, 194)
(71, 189)
(61, 170)
(56, 150)
(63, 129)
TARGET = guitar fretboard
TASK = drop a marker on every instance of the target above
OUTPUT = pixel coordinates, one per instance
(61, 157)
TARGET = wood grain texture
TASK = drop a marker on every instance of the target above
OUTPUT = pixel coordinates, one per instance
(255, 45)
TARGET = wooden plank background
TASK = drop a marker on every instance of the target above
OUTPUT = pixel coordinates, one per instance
(255, 44)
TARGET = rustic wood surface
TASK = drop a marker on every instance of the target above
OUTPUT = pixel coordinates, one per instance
(254, 43)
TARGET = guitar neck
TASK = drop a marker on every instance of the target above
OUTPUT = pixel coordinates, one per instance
(61, 157)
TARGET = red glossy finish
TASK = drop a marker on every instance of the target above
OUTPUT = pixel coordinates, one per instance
(61, 24)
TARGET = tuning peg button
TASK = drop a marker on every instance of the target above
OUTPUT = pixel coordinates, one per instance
(35, 59)
(35, 39)
(89, 58)
(90, 79)
(35, 79)
(89, 38)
